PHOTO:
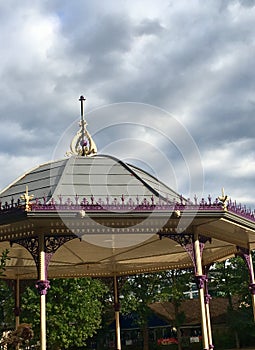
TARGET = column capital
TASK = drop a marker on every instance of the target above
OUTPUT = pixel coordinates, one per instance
(116, 307)
(200, 280)
(42, 286)
(207, 298)
(252, 288)
(17, 311)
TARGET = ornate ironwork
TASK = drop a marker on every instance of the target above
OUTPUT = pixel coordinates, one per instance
(186, 240)
(224, 200)
(27, 198)
(207, 295)
(123, 204)
(31, 244)
(52, 243)
(183, 239)
(42, 286)
(252, 288)
(244, 253)
(207, 298)
(82, 144)
(200, 281)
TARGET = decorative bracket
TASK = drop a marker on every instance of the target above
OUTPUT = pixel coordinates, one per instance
(51, 245)
(186, 240)
(244, 253)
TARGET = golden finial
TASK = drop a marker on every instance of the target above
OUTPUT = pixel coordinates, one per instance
(224, 200)
(26, 197)
(82, 143)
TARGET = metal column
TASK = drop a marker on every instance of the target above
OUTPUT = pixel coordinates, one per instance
(201, 279)
(117, 313)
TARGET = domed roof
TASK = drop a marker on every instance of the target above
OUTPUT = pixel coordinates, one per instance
(97, 179)
(95, 215)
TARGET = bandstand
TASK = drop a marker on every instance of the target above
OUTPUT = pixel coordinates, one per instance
(94, 215)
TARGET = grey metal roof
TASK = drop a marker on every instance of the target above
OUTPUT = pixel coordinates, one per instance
(98, 178)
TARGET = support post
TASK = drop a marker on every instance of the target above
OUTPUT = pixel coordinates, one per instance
(252, 285)
(17, 302)
(17, 306)
(42, 285)
(208, 318)
(200, 283)
(247, 257)
(42, 249)
(117, 314)
(194, 245)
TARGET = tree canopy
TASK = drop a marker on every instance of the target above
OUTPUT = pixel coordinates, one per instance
(74, 311)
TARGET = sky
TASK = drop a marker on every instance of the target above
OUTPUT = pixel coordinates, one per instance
(169, 87)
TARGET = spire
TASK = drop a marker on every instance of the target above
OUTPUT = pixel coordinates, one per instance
(82, 143)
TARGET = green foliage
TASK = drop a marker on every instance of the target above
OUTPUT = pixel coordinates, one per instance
(224, 339)
(140, 291)
(74, 311)
(3, 259)
(6, 305)
(242, 320)
(230, 278)
(6, 297)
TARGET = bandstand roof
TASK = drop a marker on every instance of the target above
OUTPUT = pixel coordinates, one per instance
(113, 218)
(99, 177)
(117, 212)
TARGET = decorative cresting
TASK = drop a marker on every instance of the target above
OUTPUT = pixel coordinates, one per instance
(82, 143)
(124, 203)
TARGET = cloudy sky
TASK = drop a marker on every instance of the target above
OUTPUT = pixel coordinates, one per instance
(170, 86)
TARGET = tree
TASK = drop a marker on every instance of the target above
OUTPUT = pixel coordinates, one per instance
(6, 296)
(6, 306)
(3, 259)
(74, 311)
(230, 279)
(141, 290)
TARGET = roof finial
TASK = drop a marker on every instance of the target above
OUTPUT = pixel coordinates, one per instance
(224, 200)
(82, 99)
(26, 197)
(83, 122)
(82, 144)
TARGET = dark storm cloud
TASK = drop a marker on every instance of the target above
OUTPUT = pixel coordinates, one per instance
(195, 60)
(149, 27)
